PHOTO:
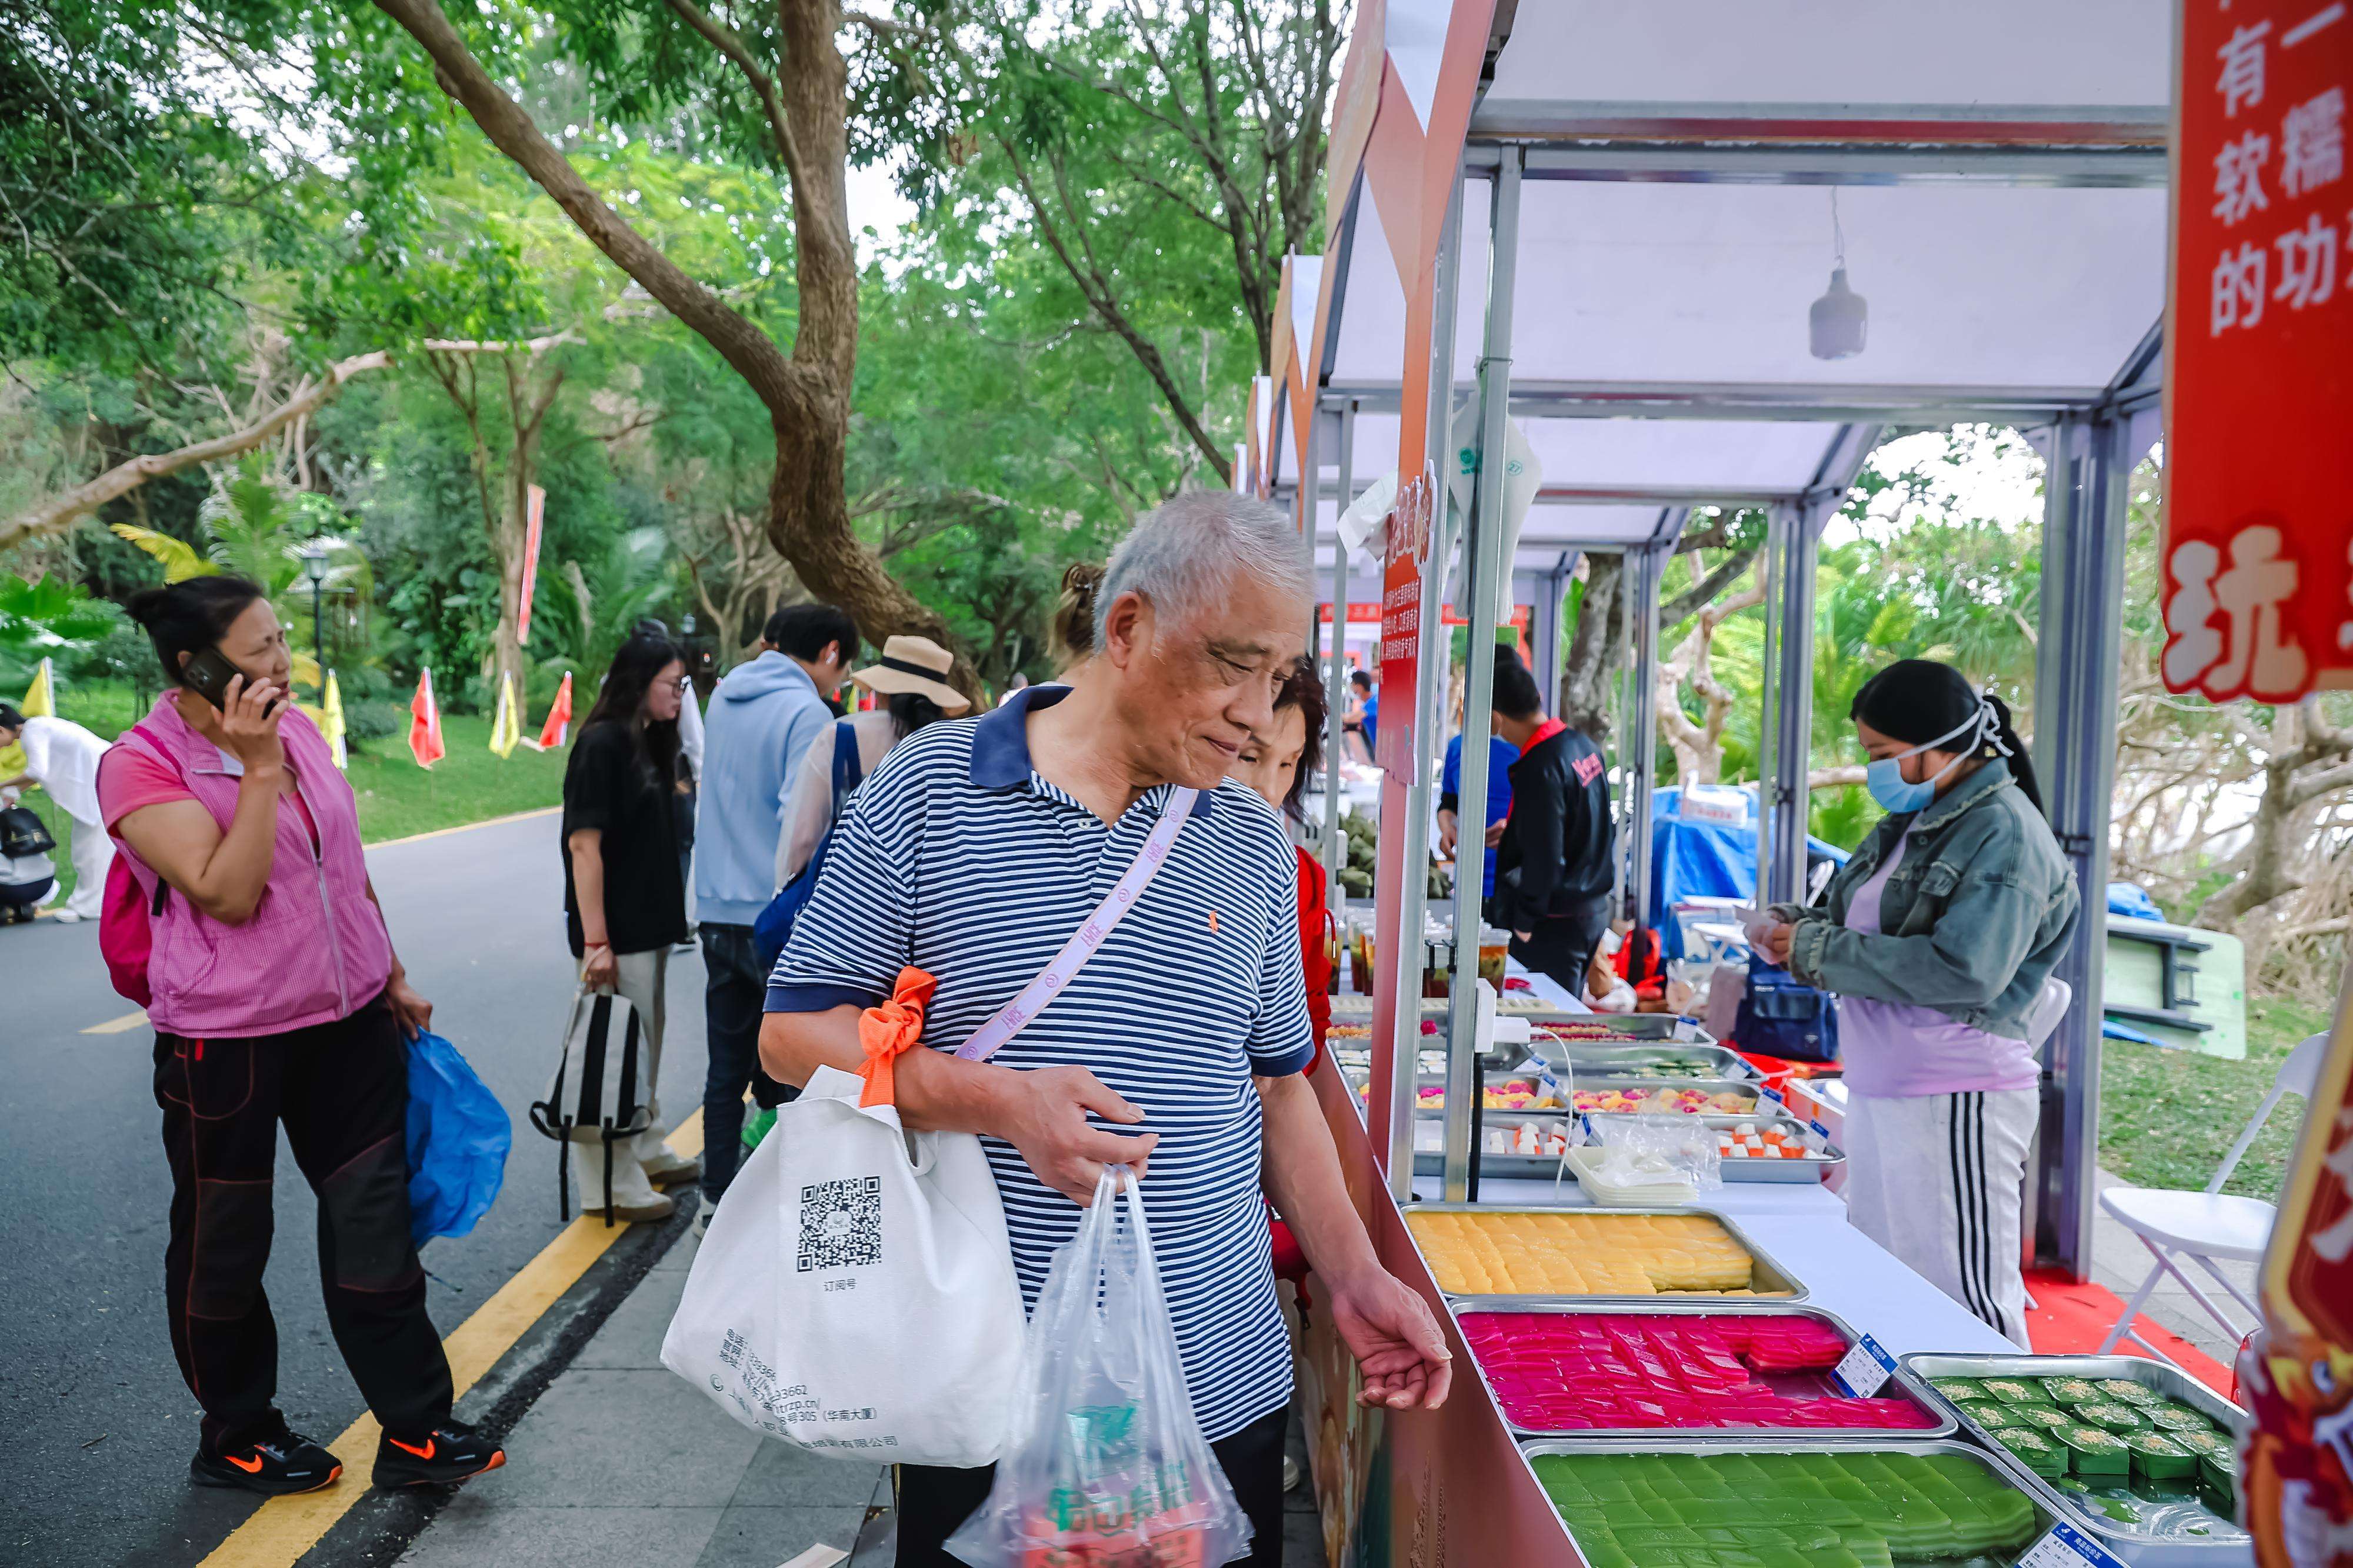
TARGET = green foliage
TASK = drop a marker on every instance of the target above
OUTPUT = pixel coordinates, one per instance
(48, 619)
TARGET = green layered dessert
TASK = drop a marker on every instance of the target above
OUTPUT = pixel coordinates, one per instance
(2095, 1450)
(2045, 1417)
(2070, 1390)
(2207, 1444)
(1989, 1415)
(2129, 1391)
(2173, 1417)
(2113, 1414)
(2016, 1391)
(1959, 1389)
(2035, 1451)
(1784, 1510)
(2158, 1456)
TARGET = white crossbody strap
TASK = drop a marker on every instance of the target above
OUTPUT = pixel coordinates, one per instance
(1089, 936)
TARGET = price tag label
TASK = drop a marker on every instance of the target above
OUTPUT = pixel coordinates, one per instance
(1865, 1368)
(2067, 1547)
(1821, 1131)
(1773, 1095)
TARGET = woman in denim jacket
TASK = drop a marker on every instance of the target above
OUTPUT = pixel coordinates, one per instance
(1939, 937)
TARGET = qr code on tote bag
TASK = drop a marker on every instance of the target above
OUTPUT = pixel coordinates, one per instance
(841, 1224)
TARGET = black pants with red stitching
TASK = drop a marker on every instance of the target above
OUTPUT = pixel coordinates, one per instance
(341, 1091)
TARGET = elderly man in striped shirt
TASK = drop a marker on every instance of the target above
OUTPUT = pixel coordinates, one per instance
(977, 849)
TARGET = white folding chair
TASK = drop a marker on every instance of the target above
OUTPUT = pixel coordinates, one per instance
(2210, 1226)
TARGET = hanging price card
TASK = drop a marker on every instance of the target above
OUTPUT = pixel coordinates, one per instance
(1865, 1368)
(2067, 1547)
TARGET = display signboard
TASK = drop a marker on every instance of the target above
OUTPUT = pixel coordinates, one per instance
(1407, 533)
(2295, 1376)
(2258, 380)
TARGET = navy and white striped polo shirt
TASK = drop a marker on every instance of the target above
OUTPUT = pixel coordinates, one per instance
(957, 859)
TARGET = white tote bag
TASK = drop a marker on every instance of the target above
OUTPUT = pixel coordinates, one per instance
(855, 1294)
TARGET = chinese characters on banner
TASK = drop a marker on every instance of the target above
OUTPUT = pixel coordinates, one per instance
(2296, 1374)
(1407, 555)
(2259, 381)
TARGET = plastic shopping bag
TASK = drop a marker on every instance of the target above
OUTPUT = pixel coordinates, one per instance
(855, 1295)
(458, 1141)
(1105, 1467)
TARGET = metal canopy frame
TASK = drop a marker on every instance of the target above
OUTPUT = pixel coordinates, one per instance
(2092, 434)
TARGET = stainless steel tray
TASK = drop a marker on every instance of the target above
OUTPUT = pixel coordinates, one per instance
(2133, 1544)
(1657, 1445)
(1544, 1167)
(1603, 1060)
(1722, 1436)
(1764, 1274)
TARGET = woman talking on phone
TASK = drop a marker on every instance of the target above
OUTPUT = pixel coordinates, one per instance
(275, 999)
(1937, 937)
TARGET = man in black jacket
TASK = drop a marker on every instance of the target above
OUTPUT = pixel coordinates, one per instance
(1553, 872)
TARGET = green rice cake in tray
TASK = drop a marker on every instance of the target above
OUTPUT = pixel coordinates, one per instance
(1825, 1509)
(2172, 1416)
(2113, 1414)
(2095, 1450)
(2129, 1390)
(2159, 1458)
(1986, 1413)
(2017, 1391)
(2070, 1390)
(1960, 1389)
(2033, 1449)
(2043, 1417)
(2207, 1444)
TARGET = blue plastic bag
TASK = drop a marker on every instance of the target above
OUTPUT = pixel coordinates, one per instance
(458, 1135)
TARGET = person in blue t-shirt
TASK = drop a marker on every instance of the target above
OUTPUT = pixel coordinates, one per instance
(1501, 755)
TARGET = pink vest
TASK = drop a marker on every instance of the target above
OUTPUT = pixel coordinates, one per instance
(314, 949)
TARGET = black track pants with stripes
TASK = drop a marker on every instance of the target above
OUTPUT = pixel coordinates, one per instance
(341, 1091)
(1939, 1181)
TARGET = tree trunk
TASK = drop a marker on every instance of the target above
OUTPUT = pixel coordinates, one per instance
(1592, 662)
(806, 394)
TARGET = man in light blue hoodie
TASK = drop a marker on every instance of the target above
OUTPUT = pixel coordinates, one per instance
(762, 720)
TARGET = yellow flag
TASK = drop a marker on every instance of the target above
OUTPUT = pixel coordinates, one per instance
(331, 722)
(40, 697)
(38, 703)
(506, 728)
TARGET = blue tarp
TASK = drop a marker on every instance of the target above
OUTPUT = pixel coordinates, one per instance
(2132, 899)
(1701, 859)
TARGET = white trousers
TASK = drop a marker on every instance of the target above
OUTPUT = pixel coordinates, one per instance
(642, 980)
(93, 852)
(1939, 1181)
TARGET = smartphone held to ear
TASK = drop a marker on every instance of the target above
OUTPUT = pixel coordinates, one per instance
(208, 672)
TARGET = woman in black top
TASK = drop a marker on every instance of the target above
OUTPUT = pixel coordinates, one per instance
(624, 892)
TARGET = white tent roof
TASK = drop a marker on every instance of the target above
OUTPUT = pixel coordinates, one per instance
(2002, 206)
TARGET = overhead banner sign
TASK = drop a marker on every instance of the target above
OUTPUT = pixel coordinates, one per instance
(1406, 533)
(2259, 383)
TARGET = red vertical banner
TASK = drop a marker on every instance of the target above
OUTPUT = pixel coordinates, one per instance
(2258, 380)
(535, 514)
(1404, 563)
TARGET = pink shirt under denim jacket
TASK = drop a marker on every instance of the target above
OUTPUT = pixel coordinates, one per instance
(314, 948)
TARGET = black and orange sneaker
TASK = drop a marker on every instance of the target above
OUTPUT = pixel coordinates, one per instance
(450, 1452)
(274, 1466)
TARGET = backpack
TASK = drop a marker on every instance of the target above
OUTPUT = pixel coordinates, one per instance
(23, 833)
(1782, 1017)
(774, 927)
(126, 933)
(597, 1093)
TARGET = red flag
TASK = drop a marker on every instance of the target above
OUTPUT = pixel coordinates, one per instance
(537, 514)
(425, 723)
(559, 718)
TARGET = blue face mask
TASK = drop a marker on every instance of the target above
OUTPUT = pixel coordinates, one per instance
(1895, 793)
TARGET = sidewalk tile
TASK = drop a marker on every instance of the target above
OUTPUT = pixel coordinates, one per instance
(623, 1439)
(782, 1476)
(471, 1532)
(631, 1339)
(766, 1537)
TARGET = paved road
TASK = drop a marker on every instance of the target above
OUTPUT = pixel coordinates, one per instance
(99, 1426)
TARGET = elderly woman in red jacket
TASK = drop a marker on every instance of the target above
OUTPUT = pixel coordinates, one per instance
(1278, 765)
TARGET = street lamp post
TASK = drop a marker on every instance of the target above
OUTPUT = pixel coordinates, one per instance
(314, 567)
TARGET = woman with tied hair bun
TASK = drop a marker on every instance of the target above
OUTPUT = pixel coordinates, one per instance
(1939, 937)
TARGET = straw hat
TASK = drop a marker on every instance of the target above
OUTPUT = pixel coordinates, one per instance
(916, 665)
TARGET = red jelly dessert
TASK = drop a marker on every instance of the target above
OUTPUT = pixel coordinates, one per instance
(1569, 1371)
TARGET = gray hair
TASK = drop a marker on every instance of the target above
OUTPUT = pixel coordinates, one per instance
(1187, 554)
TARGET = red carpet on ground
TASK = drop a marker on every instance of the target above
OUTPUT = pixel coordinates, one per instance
(2068, 1318)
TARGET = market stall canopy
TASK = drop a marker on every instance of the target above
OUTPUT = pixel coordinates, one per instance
(2001, 208)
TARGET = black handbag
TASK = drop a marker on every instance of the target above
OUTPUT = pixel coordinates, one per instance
(23, 833)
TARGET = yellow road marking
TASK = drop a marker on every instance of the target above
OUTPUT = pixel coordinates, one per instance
(116, 1026)
(282, 1529)
(466, 827)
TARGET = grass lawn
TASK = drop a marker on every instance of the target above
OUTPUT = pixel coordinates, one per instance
(2168, 1117)
(396, 797)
